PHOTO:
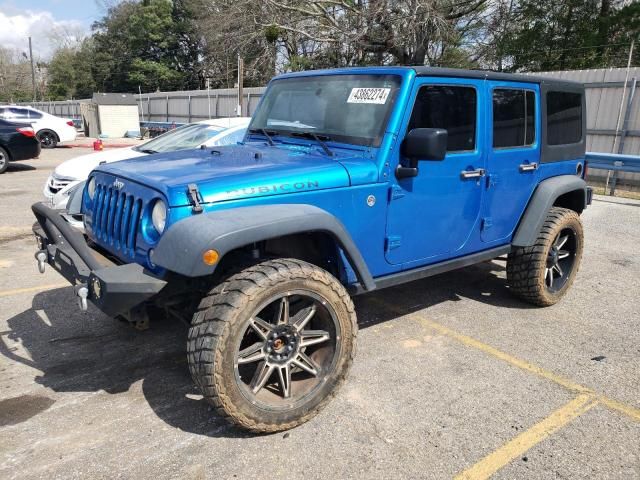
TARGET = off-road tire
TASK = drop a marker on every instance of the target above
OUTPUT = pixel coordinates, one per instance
(217, 323)
(526, 265)
(51, 138)
(4, 160)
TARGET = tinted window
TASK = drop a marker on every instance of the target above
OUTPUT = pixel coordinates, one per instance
(19, 113)
(33, 114)
(513, 118)
(564, 118)
(448, 107)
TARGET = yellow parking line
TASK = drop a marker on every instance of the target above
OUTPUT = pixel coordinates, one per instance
(18, 291)
(628, 410)
(528, 439)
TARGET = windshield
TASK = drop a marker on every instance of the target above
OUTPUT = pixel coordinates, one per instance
(181, 138)
(345, 108)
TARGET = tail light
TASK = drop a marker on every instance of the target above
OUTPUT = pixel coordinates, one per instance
(27, 131)
(70, 123)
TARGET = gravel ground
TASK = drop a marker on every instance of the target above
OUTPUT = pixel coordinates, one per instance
(452, 375)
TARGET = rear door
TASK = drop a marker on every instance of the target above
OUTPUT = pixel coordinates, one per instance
(513, 156)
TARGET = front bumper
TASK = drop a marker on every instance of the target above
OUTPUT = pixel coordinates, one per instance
(114, 289)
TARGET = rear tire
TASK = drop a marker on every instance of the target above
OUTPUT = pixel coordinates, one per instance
(47, 138)
(270, 346)
(542, 273)
(4, 160)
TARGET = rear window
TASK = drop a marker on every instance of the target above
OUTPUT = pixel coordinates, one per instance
(564, 118)
(513, 118)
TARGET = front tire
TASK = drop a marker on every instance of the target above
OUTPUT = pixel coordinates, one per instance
(542, 273)
(270, 346)
(47, 138)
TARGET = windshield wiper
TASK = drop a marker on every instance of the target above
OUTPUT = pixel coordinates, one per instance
(318, 138)
(267, 134)
(148, 150)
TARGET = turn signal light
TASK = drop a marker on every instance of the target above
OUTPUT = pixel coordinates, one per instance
(210, 257)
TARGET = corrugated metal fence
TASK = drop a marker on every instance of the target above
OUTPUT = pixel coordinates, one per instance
(179, 107)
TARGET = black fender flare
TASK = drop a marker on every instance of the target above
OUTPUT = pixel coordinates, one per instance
(181, 247)
(541, 202)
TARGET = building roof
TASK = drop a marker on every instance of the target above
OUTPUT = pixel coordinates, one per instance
(114, 99)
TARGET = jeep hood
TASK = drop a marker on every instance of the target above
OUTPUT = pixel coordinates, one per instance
(240, 171)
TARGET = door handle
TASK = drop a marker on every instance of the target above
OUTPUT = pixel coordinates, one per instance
(472, 173)
(528, 167)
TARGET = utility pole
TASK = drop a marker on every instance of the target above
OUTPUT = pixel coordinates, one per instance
(240, 80)
(209, 96)
(33, 71)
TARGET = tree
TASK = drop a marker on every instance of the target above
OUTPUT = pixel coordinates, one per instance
(571, 34)
(146, 44)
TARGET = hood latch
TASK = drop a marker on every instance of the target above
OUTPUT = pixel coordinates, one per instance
(195, 198)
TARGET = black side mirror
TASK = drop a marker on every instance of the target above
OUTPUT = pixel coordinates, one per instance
(422, 144)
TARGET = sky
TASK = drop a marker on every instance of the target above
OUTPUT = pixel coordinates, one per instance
(43, 20)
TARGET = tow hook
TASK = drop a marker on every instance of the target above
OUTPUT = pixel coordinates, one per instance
(82, 292)
(41, 257)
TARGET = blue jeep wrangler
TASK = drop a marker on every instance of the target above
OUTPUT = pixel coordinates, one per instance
(347, 181)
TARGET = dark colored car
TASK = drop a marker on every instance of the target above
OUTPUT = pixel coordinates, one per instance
(17, 142)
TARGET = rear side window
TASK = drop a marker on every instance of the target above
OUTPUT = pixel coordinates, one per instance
(513, 118)
(564, 118)
(450, 107)
(33, 114)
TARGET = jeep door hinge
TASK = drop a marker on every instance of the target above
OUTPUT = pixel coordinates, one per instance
(393, 242)
(195, 198)
(396, 192)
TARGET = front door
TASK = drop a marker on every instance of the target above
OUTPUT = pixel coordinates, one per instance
(432, 216)
(513, 156)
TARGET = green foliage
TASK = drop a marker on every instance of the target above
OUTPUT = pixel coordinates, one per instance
(569, 34)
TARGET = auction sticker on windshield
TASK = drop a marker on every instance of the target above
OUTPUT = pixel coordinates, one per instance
(369, 95)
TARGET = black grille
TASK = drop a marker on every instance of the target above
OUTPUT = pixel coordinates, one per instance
(116, 216)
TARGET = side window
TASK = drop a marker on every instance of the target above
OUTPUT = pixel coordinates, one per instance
(449, 107)
(513, 118)
(19, 113)
(33, 114)
(564, 118)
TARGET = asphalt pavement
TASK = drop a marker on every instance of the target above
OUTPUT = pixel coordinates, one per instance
(453, 377)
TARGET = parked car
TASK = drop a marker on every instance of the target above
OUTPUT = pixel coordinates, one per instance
(349, 181)
(50, 130)
(17, 142)
(219, 131)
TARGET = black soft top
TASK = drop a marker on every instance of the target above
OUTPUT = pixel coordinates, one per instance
(488, 75)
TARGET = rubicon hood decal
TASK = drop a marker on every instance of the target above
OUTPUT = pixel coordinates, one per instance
(233, 173)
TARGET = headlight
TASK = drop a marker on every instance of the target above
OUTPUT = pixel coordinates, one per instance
(91, 188)
(159, 216)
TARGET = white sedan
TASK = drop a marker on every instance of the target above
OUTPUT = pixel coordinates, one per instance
(208, 133)
(50, 130)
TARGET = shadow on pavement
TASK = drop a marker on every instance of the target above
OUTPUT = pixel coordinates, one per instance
(16, 167)
(77, 352)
